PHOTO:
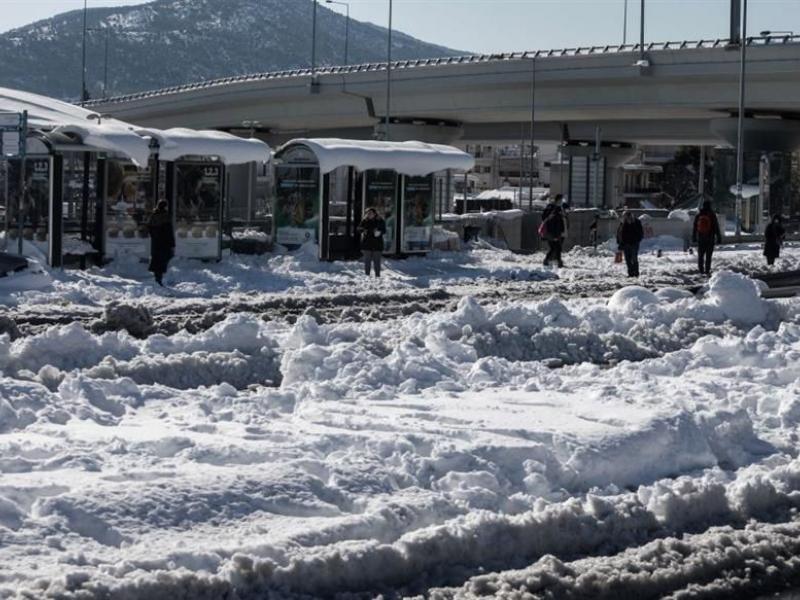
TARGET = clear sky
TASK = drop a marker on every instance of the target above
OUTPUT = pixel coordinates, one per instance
(499, 25)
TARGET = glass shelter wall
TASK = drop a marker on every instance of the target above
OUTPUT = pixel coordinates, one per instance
(417, 214)
(198, 209)
(297, 199)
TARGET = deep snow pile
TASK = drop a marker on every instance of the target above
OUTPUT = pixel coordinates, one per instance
(577, 440)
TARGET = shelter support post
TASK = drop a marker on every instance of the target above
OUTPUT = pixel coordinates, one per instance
(100, 208)
(324, 216)
(55, 250)
(87, 164)
(701, 177)
(169, 185)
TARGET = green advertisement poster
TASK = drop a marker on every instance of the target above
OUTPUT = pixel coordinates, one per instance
(296, 211)
(417, 214)
(380, 193)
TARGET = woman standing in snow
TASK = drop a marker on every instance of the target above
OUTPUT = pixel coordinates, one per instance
(629, 235)
(773, 239)
(372, 228)
(162, 241)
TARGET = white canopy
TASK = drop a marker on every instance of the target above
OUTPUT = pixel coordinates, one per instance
(55, 116)
(133, 142)
(408, 158)
(232, 150)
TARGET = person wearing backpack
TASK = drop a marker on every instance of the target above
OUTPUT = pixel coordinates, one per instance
(630, 234)
(706, 234)
(773, 239)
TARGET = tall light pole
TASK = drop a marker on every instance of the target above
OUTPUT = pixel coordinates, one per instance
(105, 57)
(314, 41)
(387, 137)
(84, 91)
(625, 24)
(346, 27)
(533, 114)
(740, 124)
(641, 35)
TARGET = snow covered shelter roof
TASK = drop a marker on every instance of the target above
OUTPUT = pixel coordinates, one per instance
(103, 133)
(408, 158)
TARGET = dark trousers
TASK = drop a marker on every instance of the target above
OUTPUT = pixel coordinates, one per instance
(704, 252)
(631, 252)
(372, 258)
(554, 253)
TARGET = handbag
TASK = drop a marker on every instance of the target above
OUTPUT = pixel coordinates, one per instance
(618, 256)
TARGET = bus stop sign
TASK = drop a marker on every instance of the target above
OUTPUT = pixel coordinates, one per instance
(11, 125)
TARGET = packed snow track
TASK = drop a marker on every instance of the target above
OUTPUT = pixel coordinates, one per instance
(470, 426)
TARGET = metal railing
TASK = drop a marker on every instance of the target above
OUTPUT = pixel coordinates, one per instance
(452, 60)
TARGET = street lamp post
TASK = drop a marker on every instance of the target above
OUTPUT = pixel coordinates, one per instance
(625, 24)
(346, 27)
(84, 91)
(314, 41)
(740, 122)
(387, 137)
(105, 30)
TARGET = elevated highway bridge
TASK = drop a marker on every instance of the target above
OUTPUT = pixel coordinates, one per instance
(684, 93)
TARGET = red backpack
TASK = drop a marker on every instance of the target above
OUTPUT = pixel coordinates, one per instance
(705, 225)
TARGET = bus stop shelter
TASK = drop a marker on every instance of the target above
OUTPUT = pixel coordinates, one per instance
(322, 187)
(79, 183)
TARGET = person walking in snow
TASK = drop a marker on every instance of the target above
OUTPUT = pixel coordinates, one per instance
(773, 239)
(706, 234)
(372, 229)
(553, 230)
(162, 241)
(629, 235)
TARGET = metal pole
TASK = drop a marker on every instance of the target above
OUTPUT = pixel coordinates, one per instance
(105, 69)
(625, 24)
(314, 41)
(84, 91)
(23, 150)
(533, 114)
(641, 34)
(740, 132)
(701, 179)
(521, 161)
(596, 159)
(347, 36)
(387, 137)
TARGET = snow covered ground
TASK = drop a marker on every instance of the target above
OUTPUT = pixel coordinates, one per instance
(525, 433)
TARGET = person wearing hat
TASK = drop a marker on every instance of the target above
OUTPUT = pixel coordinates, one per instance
(629, 235)
(706, 234)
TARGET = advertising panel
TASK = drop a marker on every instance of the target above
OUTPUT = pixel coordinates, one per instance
(35, 203)
(418, 216)
(129, 202)
(296, 211)
(198, 206)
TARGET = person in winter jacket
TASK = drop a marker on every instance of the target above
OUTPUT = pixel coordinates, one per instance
(162, 241)
(372, 229)
(629, 235)
(554, 229)
(773, 239)
(706, 234)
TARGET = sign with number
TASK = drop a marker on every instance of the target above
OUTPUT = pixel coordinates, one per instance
(10, 134)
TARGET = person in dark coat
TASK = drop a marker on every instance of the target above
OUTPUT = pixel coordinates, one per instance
(162, 241)
(773, 239)
(372, 229)
(706, 234)
(629, 235)
(554, 227)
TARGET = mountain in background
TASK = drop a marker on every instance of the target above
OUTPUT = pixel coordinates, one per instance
(171, 42)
